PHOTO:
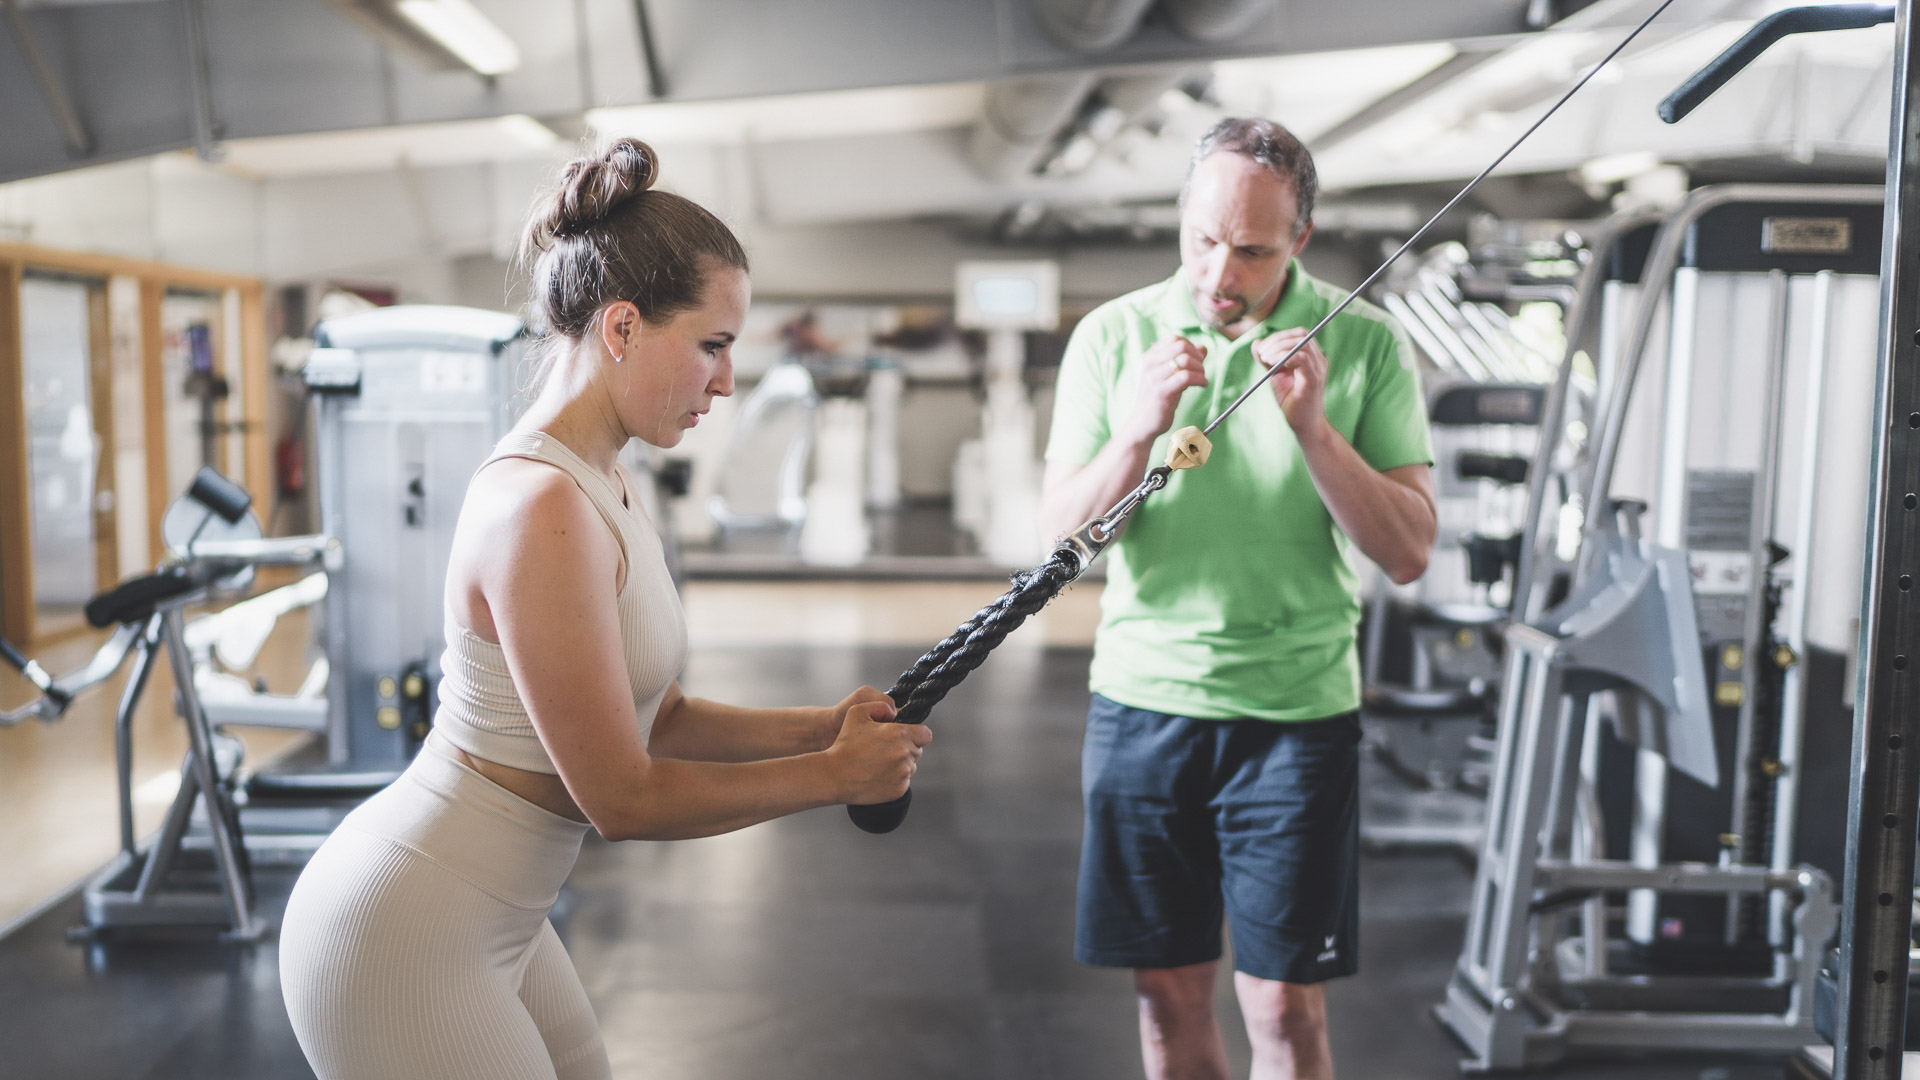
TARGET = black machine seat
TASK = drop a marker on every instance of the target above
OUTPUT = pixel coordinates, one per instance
(136, 598)
(1508, 469)
(320, 786)
(1407, 703)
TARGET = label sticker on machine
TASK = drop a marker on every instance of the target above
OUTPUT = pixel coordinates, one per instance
(1806, 235)
(453, 373)
(1719, 573)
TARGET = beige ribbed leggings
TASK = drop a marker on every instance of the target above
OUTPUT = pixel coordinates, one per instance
(416, 943)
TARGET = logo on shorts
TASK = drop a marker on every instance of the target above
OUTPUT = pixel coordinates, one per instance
(1330, 954)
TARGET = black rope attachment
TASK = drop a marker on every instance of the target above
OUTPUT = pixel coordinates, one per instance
(920, 687)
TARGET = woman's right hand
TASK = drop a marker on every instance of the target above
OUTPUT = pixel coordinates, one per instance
(874, 758)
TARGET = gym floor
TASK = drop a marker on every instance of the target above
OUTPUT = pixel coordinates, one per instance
(803, 948)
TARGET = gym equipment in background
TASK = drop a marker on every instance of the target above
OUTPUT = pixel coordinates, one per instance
(180, 879)
(1425, 725)
(1430, 652)
(1471, 337)
(996, 478)
(763, 477)
(1867, 1016)
(409, 402)
(1681, 640)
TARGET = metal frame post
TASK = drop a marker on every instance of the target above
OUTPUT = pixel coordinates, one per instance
(1877, 921)
(1793, 684)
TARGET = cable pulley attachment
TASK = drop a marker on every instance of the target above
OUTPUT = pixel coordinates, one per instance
(1188, 449)
(922, 686)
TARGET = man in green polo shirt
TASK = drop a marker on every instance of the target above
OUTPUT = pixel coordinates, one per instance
(1220, 767)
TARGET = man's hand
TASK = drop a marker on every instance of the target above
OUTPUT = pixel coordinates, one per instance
(1300, 386)
(1166, 370)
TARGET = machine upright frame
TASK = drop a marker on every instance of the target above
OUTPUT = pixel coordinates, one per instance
(1884, 797)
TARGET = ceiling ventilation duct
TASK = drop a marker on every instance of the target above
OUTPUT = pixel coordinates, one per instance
(441, 35)
(1017, 132)
(1020, 118)
(1118, 101)
(1025, 126)
(1215, 21)
(1090, 26)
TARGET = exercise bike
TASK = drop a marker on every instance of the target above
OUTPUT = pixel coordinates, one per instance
(215, 546)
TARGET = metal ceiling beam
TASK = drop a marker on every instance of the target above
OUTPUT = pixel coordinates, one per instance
(79, 140)
(1390, 105)
(206, 131)
(656, 75)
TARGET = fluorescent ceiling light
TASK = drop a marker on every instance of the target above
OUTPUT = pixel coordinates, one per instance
(527, 131)
(1617, 167)
(886, 110)
(462, 30)
(1782, 5)
(364, 150)
(1313, 92)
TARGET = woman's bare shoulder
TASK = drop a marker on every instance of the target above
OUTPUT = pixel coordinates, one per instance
(523, 521)
(516, 496)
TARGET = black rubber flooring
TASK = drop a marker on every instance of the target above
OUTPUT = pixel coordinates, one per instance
(804, 948)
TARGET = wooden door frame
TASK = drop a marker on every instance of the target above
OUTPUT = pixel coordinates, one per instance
(155, 279)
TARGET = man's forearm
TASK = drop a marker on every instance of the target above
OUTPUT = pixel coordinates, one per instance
(1393, 523)
(1071, 501)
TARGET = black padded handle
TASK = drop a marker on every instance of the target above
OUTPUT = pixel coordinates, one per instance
(881, 817)
(887, 816)
(219, 494)
(136, 598)
(1800, 20)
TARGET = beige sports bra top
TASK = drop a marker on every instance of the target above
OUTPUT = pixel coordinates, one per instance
(480, 709)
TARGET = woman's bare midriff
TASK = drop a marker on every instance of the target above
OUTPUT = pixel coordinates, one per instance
(541, 789)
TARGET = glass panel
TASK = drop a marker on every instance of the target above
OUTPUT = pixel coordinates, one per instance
(61, 450)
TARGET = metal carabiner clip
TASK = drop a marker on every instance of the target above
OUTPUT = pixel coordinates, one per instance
(1087, 542)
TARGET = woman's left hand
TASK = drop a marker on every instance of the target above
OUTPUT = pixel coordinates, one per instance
(834, 717)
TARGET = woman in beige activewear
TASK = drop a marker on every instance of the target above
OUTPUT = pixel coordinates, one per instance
(416, 943)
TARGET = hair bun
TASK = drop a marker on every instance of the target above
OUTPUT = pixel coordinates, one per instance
(592, 188)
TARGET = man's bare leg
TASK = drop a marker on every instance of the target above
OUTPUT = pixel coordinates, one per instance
(1287, 1024)
(1179, 1035)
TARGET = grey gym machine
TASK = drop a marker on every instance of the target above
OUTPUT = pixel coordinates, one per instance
(1875, 963)
(409, 401)
(1492, 439)
(1547, 971)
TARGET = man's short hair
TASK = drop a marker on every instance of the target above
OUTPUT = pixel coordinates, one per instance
(1271, 145)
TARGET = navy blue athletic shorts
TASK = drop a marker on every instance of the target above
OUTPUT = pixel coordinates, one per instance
(1192, 820)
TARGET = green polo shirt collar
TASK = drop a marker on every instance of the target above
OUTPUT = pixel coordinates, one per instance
(1296, 307)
